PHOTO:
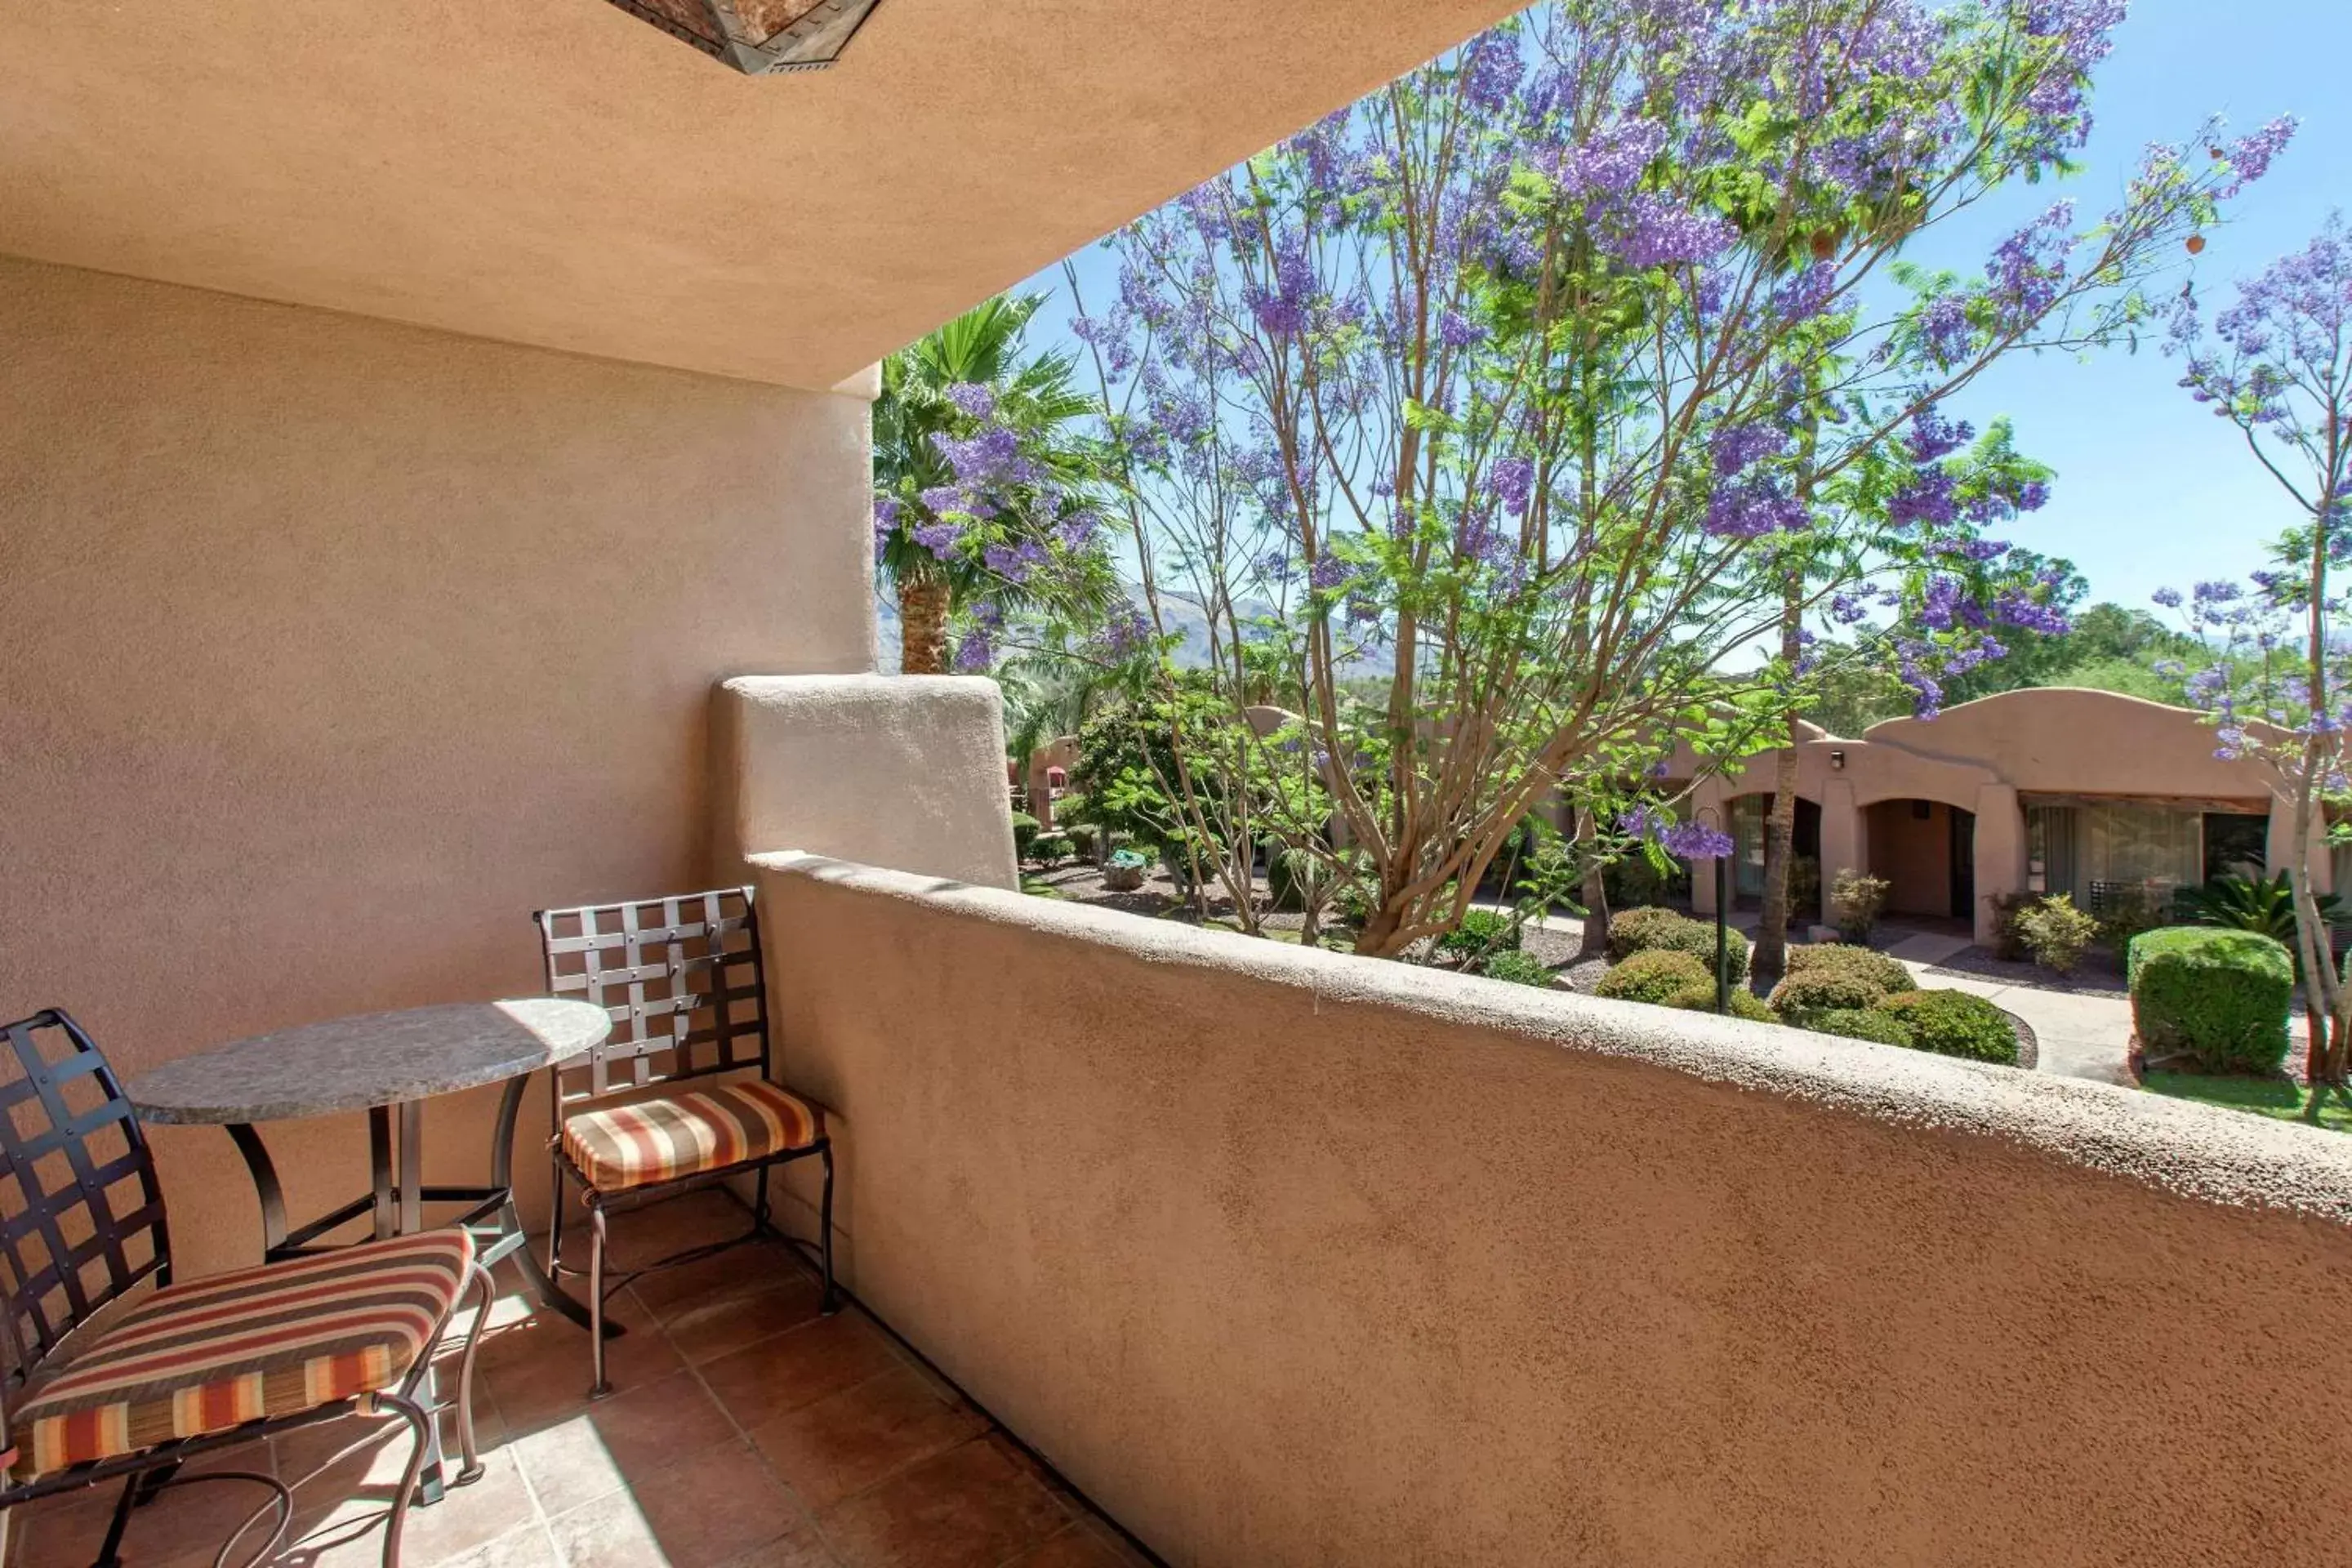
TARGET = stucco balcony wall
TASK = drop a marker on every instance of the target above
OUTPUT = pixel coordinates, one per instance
(1291, 1258)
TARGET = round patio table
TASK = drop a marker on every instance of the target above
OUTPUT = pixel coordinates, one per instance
(383, 1064)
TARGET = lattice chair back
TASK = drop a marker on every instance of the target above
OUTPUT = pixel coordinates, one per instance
(81, 1214)
(682, 978)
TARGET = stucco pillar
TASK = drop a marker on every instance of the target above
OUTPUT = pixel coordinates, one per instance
(1999, 853)
(2280, 850)
(1842, 846)
(904, 770)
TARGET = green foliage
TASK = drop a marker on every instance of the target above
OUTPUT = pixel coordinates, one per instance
(1745, 1003)
(1655, 975)
(1519, 968)
(1954, 1023)
(2129, 912)
(1804, 890)
(1864, 1024)
(1050, 849)
(2278, 1097)
(1889, 974)
(1635, 931)
(1037, 398)
(1803, 995)
(1481, 930)
(2008, 942)
(2056, 933)
(2257, 904)
(1634, 881)
(2220, 997)
(1025, 829)
(2107, 649)
(1856, 901)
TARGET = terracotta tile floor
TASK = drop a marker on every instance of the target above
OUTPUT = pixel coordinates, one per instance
(744, 1432)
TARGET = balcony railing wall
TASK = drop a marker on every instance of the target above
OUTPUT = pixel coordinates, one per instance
(1290, 1258)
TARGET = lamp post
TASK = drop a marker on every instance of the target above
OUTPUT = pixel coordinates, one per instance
(1722, 906)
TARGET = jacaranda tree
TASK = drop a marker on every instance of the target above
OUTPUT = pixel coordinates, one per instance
(1507, 410)
(2277, 365)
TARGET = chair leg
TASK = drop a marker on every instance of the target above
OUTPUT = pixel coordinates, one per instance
(830, 1302)
(109, 1552)
(420, 1433)
(555, 1221)
(760, 1217)
(468, 1450)
(600, 1388)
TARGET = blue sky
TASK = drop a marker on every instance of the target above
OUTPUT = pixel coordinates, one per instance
(2152, 489)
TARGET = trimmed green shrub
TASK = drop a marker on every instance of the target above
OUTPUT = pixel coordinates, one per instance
(1638, 930)
(1481, 930)
(2219, 996)
(1856, 901)
(1653, 976)
(1745, 1003)
(1837, 958)
(1954, 1023)
(1864, 1024)
(1050, 849)
(2056, 933)
(1519, 968)
(1025, 829)
(1650, 931)
(1804, 994)
(2008, 942)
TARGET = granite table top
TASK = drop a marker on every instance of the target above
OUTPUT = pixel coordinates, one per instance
(371, 1059)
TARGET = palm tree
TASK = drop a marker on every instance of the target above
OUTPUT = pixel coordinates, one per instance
(1036, 396)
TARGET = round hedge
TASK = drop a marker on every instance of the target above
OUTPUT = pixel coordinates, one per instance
(1652, 930)
(1653, 976)
(2219, 996)
(1700, 998)
(1803, 994)
(1840, 958)
(1954, 1023)
(1519, 968)
(1864, 1024)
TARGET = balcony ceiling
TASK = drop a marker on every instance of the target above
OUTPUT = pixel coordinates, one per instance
(557, 173)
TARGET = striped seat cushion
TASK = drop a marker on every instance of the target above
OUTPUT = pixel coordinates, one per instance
(617, 1147)
(215, 1354)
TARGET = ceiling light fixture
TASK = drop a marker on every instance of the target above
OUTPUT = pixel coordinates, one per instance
(758, 37)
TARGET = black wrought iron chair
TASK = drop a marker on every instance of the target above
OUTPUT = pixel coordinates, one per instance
(679, 1095)
(115, 1372)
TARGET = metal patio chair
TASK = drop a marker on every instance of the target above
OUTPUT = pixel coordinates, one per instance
(114, 1371)
(679, 1095)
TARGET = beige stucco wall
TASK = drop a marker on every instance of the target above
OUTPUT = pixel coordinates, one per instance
(334, 648)
(1292, 1258)
(903, 770)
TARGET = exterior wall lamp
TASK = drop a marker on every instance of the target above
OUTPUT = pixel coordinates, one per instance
(1837, 758)
(758, 38)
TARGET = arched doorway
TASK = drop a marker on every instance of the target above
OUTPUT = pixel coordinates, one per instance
(1746, 813)
(1925, 850)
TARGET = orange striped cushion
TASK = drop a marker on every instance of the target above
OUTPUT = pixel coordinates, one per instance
(275, 1341)
(620, 1146)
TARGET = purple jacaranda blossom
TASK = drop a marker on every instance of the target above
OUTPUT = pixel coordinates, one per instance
(1328, 573)
(975, 653)
(2170, 598)
(1752, 508)
(1514, 483)
(1933, 436)
(1697, 841)
(1846, 610)
(1740, 446)
(1930, 496)
(937, 537)
(974, 399)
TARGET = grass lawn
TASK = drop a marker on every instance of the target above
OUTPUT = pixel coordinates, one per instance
(2275, 1096)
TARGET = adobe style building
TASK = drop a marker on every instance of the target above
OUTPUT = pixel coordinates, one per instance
(2051, 790)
